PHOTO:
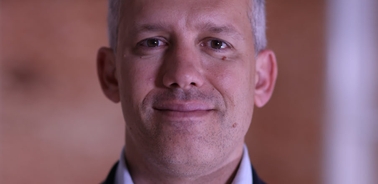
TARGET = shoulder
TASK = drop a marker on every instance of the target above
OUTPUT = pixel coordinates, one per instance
(110, 179)
(256, 178)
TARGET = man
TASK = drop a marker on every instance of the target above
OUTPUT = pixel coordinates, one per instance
(188, 74)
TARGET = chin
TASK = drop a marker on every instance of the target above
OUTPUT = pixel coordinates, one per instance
(186, 156)
(187, 162)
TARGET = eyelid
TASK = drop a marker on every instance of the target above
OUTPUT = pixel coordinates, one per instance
(208, 40)
(160, 39)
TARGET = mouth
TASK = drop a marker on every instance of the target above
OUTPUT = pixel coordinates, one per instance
(183, 110)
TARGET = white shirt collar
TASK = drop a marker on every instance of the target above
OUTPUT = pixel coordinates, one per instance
(122, 174)
(243, 175)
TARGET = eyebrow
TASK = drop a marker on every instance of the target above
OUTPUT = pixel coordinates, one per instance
(211, 27)
(227, 29)
(208, 27)
(151, 27)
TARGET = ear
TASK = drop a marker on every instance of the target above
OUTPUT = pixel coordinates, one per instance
(265, 79)
(106, 70)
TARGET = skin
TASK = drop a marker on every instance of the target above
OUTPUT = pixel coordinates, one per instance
(187, 77)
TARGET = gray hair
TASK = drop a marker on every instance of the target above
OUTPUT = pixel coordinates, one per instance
(256, 15)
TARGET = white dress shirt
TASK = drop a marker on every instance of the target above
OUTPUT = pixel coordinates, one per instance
(243, 175)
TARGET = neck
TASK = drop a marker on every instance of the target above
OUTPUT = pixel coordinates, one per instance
(144, 171)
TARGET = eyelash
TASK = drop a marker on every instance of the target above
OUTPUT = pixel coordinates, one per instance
(206, 43)
(209, 41)
(144, 43)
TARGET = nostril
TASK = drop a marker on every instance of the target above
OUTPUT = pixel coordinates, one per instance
(175, 85)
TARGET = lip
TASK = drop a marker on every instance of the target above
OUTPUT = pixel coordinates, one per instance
(183, 110)
(183, 106)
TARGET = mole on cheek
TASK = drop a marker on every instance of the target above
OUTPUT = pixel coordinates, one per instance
(234, 125)
(224, 58)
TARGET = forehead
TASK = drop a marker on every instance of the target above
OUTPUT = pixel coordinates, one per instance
(187, 13)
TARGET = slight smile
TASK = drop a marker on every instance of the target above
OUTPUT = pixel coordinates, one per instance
(183, 110)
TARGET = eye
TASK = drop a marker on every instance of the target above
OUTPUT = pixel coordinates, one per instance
(152, 42)
(216, 44)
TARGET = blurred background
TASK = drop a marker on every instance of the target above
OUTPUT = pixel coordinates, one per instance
(57, 127)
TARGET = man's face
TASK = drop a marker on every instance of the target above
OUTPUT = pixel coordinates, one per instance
(186, 76)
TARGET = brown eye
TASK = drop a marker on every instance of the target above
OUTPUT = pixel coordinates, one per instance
(152, 42)
(216, 44)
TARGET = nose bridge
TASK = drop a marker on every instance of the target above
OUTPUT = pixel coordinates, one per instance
(183, 67)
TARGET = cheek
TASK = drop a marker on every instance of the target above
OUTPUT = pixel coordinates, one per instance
(232, 83)
(234, 80)
(137, 80)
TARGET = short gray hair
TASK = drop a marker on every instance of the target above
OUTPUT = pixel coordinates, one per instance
(256, 15)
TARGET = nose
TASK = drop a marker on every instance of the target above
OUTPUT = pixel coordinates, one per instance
(183, 68)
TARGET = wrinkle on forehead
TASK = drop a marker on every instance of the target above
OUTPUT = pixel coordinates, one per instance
(210, 15)
(181, 8)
